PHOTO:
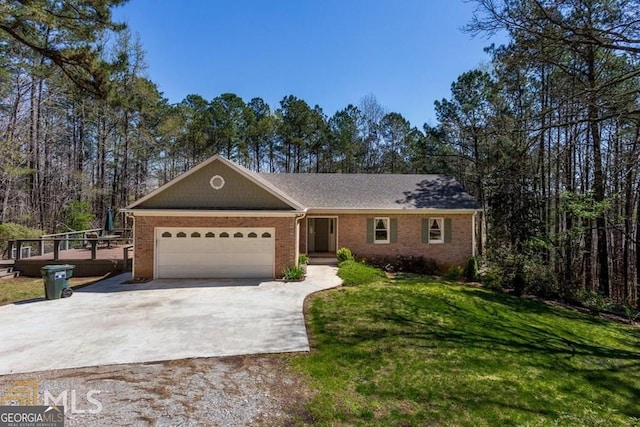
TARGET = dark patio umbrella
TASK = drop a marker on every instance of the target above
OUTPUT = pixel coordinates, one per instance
(108, 222)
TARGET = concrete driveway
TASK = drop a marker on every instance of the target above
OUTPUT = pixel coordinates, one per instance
(111, 322)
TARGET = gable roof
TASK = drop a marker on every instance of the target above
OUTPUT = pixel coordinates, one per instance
(244, 190)
(241, 190)
(374, 191)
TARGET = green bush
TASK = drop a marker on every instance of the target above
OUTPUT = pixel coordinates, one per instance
(471, 270)
(454, 273)
(525, 273)
(293, 273)
(592, 300)
(303, 259)
(540, 280)
(12, 231)
(357, 273)
(406, 264)
(344, 254)
(491, 279)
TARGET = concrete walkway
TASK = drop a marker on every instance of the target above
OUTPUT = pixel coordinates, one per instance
(111, 322)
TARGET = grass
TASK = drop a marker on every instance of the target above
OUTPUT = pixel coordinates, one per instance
(25, 288)
(422, 352)
(357, 273)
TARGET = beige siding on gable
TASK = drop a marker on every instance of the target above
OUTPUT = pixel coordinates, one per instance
(195, 192)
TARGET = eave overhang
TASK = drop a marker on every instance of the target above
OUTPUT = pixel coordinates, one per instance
(210, 213)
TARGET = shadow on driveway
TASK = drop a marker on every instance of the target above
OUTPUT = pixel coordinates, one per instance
(121, 285)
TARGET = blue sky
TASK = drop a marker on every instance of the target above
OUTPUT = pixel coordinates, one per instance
(328, 52)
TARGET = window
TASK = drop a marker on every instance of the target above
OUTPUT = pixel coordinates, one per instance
(436, 230)
(381, 230)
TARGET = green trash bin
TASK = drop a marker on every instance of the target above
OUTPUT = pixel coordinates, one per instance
(56, 280)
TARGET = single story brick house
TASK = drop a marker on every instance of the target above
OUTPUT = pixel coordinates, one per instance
(220, 220)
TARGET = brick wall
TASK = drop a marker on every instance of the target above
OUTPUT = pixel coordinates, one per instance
(144, 237)
(352, 234)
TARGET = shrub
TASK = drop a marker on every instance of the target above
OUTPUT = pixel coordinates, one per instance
(357, 273)
(344, 254)
(406, 264)
(541, 280)
(12, 231)
(454, 273)
(303, 259)
(518, 283)
(295, 272)
(471, 270)
(592, 300)
(525, 273)
(491, 279)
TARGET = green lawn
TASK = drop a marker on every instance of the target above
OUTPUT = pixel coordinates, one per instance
(24, 288)
(424, 352)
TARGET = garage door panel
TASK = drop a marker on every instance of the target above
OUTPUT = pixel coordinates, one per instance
(199, 256)
(167, 248)
(212, 260)
(214, 246)
(223, 272)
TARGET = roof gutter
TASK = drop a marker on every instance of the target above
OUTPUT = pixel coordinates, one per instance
(419, 211)
(210, 213)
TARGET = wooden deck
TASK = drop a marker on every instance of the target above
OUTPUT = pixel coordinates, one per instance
(107, 260)
(113, 253)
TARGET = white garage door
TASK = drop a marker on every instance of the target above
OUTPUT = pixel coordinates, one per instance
(215, 252)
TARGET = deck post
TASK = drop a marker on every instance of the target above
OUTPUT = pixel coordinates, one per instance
(10, 244)
(18, 249)
(41, 246)
(94, 248)
(56, 249)
(125, 258)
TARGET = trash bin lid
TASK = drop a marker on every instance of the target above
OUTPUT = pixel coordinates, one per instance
(53, 268)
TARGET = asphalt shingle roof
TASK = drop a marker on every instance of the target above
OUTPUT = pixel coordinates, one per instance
(373, 191)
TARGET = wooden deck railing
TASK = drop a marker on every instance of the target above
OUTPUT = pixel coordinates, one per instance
(64, 242)
(80, 234)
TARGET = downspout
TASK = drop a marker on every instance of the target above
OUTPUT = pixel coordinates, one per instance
(128, 214)
(299, 217)
(473, 233)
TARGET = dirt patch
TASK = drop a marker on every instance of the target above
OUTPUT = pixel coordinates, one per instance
(229, 391)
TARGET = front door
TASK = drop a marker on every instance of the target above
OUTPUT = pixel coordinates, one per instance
(322, 234)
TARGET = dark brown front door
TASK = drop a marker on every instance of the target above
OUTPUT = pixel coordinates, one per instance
(321, 235)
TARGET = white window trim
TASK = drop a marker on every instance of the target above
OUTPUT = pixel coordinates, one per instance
(387, 223)
(441, 224)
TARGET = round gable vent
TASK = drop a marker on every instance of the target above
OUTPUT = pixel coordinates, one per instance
(217, 182)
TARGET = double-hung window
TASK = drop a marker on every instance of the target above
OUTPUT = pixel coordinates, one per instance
(381, 230)
(436, 230)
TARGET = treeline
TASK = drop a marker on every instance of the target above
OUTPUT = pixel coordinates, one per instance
(107, 136)
(546, 136)
(292, 138)
(62, 146)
